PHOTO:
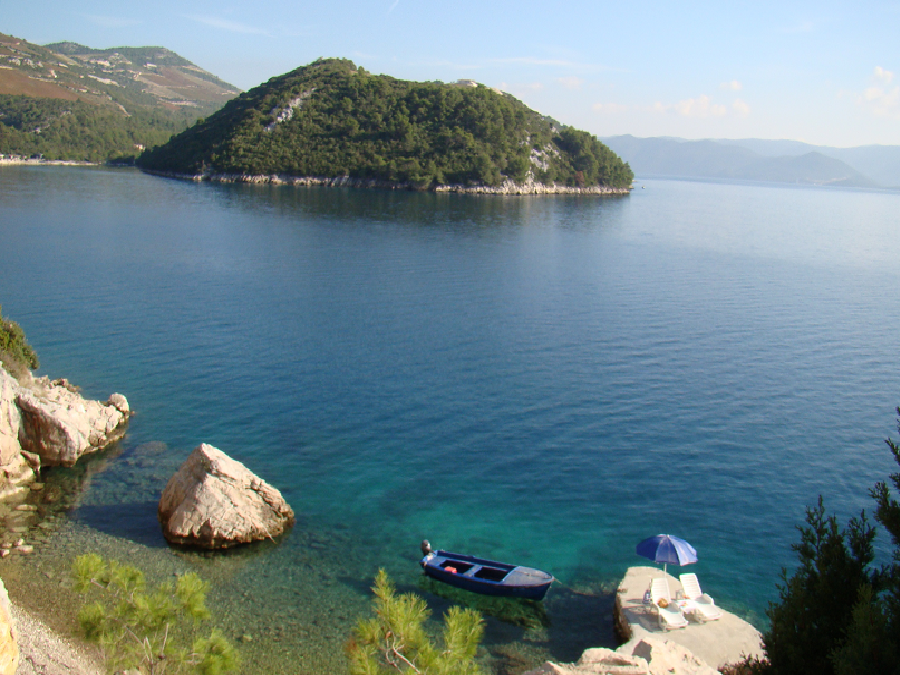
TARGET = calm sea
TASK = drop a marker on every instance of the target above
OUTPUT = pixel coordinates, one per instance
(539, 380)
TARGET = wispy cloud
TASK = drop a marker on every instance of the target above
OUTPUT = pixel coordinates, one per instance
(533, 61)
(393, 6)
(702, 106)
(883, 103)
(520, 88)
(740, 107)
(230, 26)
(553, 63)
(609, 108)
(880, 99)
(883, 75)
(570, 82)
(111, 21)
(734, 85)
(443, 63)
(699, 107)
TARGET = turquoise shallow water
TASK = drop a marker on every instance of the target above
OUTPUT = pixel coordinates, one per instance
(544, 381)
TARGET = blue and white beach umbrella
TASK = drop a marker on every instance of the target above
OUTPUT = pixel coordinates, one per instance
(665, 549)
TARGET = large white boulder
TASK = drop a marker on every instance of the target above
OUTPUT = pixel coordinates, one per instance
(214, 501)
(60, 426)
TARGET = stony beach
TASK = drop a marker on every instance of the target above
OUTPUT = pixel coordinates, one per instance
(43, 651)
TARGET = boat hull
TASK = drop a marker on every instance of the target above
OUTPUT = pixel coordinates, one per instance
(487, 577)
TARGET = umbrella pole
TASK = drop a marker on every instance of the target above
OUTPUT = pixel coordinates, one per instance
(666, 575)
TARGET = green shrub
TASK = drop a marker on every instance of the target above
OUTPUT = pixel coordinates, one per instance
(395, 640)
(15, 352)
(148, 630)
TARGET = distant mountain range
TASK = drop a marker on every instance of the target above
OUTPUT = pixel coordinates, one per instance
(69, 101)
(761, 160)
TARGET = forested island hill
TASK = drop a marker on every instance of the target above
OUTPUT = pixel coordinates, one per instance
(332, 120)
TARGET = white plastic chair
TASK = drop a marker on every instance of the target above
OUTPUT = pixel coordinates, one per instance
(671, 615)
(704, 605)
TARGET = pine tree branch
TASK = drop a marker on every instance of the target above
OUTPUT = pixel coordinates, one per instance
(392, 647)
(165, 638)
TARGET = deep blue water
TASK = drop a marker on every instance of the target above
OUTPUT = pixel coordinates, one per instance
(539, 380)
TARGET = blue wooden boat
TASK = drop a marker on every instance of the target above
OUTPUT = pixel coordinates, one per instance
(488, 577)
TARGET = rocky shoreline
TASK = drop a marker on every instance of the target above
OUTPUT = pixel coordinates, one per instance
(49, 423)
(44, 162)
(42, 423)
(212, 502)
(508, 188)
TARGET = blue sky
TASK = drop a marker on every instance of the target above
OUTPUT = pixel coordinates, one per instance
(823, 72)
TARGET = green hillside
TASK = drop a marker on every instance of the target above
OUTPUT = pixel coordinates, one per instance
(76, 130)
(69, 101)
(331, 119)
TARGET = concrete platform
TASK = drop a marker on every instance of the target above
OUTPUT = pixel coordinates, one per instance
(723, 641)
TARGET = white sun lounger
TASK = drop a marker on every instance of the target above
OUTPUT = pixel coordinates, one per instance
(671, 615)
(702, 605)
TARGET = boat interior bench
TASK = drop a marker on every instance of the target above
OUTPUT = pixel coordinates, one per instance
(477, 571)
(491, 573)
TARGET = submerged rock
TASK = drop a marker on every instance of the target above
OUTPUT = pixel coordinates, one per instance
(214, 501)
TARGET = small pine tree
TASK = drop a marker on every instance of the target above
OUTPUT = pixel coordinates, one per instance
(837, 614)
(887, 512)
(869, 646)
(395, 640)
(815, 609)
(144, 629)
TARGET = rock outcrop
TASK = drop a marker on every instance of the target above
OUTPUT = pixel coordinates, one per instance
(50, 423)
(642, 656)
(719, 643)
(15, 469)
(9, 648)
(214, 501)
